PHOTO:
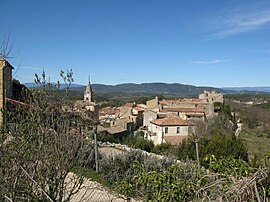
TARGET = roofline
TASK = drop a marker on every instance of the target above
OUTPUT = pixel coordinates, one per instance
(7, 63)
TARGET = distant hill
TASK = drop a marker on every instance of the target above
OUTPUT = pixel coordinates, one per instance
(174, 89)
(265, 89)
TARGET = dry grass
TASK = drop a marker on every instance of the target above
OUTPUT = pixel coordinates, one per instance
(258, 143)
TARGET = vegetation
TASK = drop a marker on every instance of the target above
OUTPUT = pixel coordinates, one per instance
(40, 146)
(257, 142)
(152, 179)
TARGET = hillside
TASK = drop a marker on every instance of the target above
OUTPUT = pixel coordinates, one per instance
(265, 89)
(174, 89)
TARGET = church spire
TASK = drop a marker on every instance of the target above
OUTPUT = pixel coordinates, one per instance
(88, 94)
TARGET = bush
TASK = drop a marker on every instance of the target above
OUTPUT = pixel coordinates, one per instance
(40, 146)
(139, 142)
(219, 145)
(163, 149)
(104, 137)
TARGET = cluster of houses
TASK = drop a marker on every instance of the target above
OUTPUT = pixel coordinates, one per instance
(162, 121)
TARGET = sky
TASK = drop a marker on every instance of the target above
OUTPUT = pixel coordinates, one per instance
(203, 43)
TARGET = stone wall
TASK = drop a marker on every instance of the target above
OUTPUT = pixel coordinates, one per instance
(5, 86)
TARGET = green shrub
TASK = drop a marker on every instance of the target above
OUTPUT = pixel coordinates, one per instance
(219, 145)
(139, 142)
(163, 149)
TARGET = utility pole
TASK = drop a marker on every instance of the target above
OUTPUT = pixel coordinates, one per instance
(96, 147)
(197, 151)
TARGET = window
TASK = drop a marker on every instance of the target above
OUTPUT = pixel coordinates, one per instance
(178, 130)
(166, 129)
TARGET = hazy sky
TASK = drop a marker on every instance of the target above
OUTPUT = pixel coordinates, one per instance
(199, 42)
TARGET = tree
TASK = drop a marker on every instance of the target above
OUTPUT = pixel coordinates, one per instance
(41, 145)
(5, 47)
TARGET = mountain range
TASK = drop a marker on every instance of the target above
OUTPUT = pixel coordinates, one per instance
(265, 89)
(173, 89)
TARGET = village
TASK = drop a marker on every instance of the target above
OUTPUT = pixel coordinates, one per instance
(169, 123)
(161, 121)
(134, 101)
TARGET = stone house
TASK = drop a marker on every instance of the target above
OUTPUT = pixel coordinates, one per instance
(212, 97)
(108, 114)
(171, 129)
(149, 115)
(189, 103)
(151, 104)
(184, 113)
(5, 86)
(132, 112)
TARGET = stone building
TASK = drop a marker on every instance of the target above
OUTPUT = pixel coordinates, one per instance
(87, 106)
(189, 103)
(88, 94)
(212, 97)
(151, 104)
(5, 86)
(171, 129)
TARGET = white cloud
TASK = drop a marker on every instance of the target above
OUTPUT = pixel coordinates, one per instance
(210, 62)
(241, 18)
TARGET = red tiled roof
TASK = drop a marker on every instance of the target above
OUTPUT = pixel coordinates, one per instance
(172, 121)
(175, 140)
(195, 114)
(116, 129)
(198, 110)
(184, 101)
(108, 110)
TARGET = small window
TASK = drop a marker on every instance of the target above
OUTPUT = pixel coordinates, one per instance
(166, 129)
(178, 130)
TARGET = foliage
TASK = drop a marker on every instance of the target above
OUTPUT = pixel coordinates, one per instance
(41, 145)
(139, 142)
(19, 91)
(164, 149)
(228, 165)
(143, 99)
(104, 137)
(219, 145)
(158, 186)
(119, 167)
(187, 182)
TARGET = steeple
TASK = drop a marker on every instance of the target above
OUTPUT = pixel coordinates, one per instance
(88, 94)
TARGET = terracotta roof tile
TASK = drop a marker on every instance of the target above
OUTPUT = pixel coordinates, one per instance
(109, 110)
(184, 101)
(116, 129)
(195, 114)
(198, 110)
(172, 121)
